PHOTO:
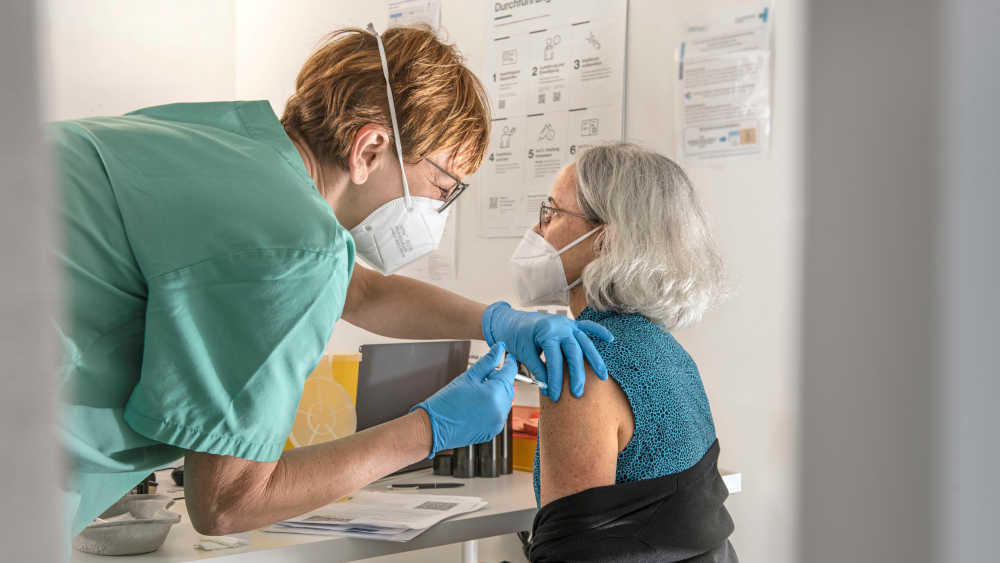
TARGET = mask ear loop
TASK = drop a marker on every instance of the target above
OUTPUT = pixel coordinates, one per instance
(579, 240)
(392, 115)
(579, 280)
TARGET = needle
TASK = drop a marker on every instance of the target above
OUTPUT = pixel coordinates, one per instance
(530, 380)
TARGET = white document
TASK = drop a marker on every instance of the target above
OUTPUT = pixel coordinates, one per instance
(403, 536)
(410, 12)
(384, 516)
(723, 96)
(555, 73)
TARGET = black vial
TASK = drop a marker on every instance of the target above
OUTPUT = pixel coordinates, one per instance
(507, 446)
(444, 463)
(488, 458)
(464, 464)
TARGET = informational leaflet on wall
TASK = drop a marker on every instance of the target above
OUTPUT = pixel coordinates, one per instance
(555, 73)
(723, 95)
(412, 12)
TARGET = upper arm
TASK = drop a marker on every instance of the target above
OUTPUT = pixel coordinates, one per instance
(579, 438)
(357, 292)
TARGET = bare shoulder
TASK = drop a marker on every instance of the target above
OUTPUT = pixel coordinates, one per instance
(601, 406)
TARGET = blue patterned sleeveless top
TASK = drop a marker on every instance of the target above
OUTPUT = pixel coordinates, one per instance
(673, 422)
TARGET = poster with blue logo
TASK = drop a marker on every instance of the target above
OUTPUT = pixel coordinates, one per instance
(723, 94)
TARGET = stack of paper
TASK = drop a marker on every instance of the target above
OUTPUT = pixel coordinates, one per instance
(380, 516)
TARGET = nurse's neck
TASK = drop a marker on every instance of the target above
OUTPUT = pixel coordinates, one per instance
(331, 181)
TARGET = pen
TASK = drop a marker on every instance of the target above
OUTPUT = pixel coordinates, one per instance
(426, 485)
(532, 381)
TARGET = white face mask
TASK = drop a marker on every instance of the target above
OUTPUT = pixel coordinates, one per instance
(393, 236)
(405, 228)
(539, 278)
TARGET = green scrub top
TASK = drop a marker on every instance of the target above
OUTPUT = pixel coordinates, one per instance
(203, 276)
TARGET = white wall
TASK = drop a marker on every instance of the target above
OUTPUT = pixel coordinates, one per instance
(108, 57)
(115, 56)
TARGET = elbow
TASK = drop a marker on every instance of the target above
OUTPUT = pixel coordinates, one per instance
(225, 495)
(214, 520)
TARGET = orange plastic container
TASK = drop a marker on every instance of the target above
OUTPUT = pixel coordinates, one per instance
(524, 451)
(327, 407)
(344, 368)
(525, 421)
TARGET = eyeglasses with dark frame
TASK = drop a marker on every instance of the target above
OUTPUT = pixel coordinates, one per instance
(456, 191)
(546, 211)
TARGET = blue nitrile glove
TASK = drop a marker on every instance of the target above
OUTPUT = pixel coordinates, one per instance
(473, 407)
(530, 334)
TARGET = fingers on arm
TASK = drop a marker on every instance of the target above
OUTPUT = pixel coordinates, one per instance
(553, 370)
(574, 361)
(587, 330)
(592, 355)
(534, 365)
(594, 329)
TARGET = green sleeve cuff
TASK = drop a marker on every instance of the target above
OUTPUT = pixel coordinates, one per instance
(200, 441)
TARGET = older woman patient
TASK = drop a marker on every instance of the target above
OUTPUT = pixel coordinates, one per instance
(627, 471)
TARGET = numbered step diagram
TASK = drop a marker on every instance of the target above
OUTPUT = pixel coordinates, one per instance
(555, 77)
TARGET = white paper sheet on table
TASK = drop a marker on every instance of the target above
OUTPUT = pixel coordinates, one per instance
(401, 536)
(384, 516)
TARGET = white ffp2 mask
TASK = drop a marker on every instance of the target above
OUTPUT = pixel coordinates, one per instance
(403, 229)
(539, 277)
(393, 236)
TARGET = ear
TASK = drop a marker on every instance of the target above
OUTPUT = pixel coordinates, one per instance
(370, 144)
(599, 240)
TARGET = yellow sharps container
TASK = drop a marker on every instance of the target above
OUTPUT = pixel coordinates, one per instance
(327, 407)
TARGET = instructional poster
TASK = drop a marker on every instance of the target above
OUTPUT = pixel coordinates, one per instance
(555, 73)
(723, 97)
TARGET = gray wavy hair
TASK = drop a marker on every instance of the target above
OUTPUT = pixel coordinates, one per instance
(656, 256)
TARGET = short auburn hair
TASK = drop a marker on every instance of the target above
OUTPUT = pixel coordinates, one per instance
(440, 104)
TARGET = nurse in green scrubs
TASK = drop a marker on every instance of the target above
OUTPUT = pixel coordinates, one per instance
(210, 248)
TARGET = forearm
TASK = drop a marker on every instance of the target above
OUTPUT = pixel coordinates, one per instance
(402, 307)
(310, 477)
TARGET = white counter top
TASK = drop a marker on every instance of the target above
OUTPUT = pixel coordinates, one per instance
(511, 508)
